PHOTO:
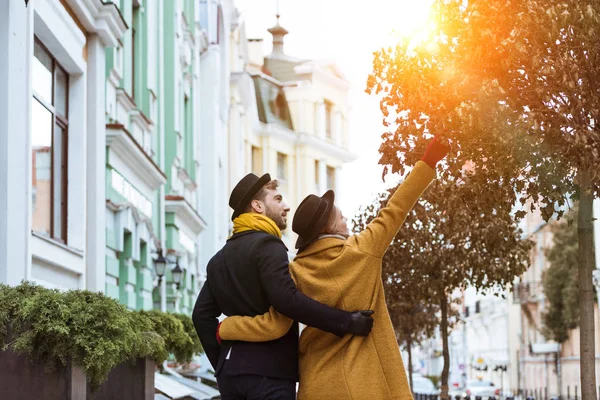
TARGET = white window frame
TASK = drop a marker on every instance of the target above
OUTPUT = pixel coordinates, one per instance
(55, 28)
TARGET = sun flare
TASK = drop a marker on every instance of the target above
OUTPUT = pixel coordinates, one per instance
(411, 20)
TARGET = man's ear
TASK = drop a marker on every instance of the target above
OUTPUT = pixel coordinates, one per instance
(257, 206)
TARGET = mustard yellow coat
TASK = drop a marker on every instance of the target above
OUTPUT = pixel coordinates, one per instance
(345, 274)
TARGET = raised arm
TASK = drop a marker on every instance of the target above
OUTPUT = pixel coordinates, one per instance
(377, 236)
(261, 328)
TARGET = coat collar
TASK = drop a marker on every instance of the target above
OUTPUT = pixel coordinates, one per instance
(239, 235)
(325, 243)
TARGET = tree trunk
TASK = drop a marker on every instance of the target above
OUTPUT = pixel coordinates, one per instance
(446, 353)
(585, 234)
(410, 369)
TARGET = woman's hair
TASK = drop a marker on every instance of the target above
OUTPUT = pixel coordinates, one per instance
(331, 227)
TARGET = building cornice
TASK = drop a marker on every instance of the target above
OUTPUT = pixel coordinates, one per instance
(100, 17)
(119, 140)
(312, 69)
(182, 209)
(325, 146)
(125, 100)
(138, 117)
(281, 133)
(277, 131)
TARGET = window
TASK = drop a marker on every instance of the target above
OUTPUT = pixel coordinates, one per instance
(256, 160)
(477, 307)
(282, 166)
(279, 107)
(328, 119)
(49, 133)
(466, 311)
(330, 177)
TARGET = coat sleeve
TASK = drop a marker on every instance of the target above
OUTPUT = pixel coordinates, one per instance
(261, 328)
(273, 269)
(205, 314)
(377, 236)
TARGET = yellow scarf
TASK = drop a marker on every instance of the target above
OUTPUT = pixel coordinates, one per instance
(255, 222)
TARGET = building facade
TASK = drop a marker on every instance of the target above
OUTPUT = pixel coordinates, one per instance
(299, 131)
(538, 362)
(125, 126)
(122, 114)
(52, 87)
(152, 163)
(504, 336)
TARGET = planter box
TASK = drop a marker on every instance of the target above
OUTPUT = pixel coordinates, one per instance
(21, 379)
(128, 381)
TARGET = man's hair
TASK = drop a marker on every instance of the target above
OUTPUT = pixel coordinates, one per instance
(262, 193)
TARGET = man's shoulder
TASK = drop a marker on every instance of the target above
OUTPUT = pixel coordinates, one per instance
(256, 238)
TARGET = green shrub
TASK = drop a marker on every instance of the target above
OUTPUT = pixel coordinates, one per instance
(81, 327)
(188, 325)
(172, 330)
(89, 329)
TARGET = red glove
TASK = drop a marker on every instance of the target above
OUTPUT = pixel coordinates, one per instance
(219, 337)
(435, 151)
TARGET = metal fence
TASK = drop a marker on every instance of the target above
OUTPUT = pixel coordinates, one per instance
(572, 393)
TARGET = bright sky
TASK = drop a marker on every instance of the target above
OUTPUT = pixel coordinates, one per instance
(347, 31)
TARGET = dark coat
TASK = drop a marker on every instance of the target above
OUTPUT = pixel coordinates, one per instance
(248, 275)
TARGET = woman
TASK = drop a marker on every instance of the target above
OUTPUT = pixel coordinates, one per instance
(344, 271)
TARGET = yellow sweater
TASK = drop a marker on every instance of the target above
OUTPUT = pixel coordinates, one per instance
(345, 274)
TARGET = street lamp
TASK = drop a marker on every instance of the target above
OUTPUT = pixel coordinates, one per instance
(177, 274)
(160, 265)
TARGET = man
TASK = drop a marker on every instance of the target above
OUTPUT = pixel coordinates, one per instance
(248, 275)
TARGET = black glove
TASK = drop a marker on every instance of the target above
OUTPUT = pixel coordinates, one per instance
(361, 322)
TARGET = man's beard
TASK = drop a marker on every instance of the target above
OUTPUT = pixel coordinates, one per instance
(276, 217)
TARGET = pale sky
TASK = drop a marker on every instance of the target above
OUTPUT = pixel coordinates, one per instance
(347, 31)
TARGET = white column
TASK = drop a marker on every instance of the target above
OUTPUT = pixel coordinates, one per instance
(96, 166)
(177, 300)
(16, 42)
(209, 156)
(337, 127)
(320, 119)
(322, 177)
(337, 187)
(265, 153)
(163, 295)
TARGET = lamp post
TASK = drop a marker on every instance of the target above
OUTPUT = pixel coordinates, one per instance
(177, 275)
(160, 266)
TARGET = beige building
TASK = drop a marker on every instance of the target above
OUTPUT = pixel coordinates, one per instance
(295, 124)
(534, 360)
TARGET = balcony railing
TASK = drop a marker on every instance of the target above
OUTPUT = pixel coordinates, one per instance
(527, 292)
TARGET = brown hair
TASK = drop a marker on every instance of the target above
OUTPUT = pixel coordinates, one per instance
(331, 225)
(262, 193)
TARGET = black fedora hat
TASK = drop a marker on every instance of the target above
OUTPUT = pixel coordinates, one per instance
(311, 217)
(242, 193)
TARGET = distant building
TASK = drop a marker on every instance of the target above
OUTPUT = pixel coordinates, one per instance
(300, 132)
